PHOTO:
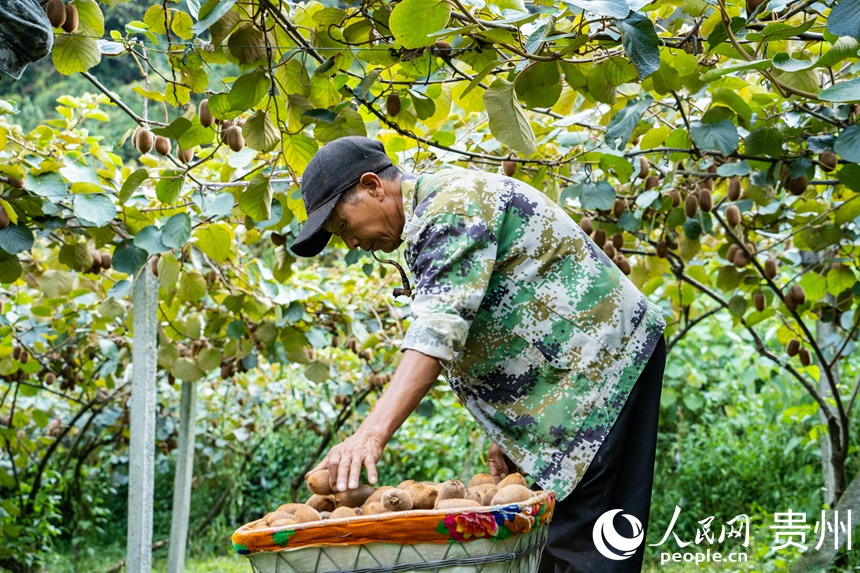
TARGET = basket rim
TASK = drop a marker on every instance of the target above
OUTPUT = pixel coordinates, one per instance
(539, 498)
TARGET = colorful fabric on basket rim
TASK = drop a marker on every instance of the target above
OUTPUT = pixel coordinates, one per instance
(410, 527)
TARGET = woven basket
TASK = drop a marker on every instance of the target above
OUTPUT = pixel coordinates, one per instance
(497, 539)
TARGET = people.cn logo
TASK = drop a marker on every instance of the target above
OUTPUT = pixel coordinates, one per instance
(610, 543)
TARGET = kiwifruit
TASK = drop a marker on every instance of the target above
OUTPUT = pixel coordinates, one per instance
(374, 508)
(377, 495)
(828, 160)
(706, 200)
(442, 47)
(25, 357)
(792, 347)
(451, 489)
(342, 512)
(798, 185)
(319, 482)
(706, 184)
(509, 167)
(676, 197)
(278, 239)
(4, 218)
(805, 357)
(734, 189)
(740, 259)
(622, 263)
(186, 155)
(424, 496)
(662, 249)
(144, 140)
(70, 25)
(753, 4)
(283, 522)
(107, 261)
(275, 516)
(50, 378)
(514, 493)
(321, 502)
(474, 495)
(644, 168)
(396, 500)
(733, 215)
(609, 249)
(153, 265)
(406, 482)
(234, 139)
(481, 479)
(15, 182)
(162, 145)
(586, 225)
(306, 514)
(790, 303)
(290, 507)
(691, 206)
(56, 11)
(712, 168)
(770, 268)
(488, 495)
(619, 207)
(618, 240)
(456, 503)
(353, 497)
(651, 181)
(759, 301)
(392, 104)
(513, 479)
(599, 237)
(206, 117)
(797, 293)
(16, 352)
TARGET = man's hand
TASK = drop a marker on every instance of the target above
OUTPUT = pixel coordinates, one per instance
(500, 465)
(345, 460)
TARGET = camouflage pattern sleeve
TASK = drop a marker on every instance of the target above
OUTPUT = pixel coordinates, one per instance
(26, 35)
(454, 256)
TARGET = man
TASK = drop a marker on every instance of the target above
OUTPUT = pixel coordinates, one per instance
(540, 335)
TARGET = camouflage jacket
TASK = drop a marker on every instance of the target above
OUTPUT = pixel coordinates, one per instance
(538, 332)
(25, 35)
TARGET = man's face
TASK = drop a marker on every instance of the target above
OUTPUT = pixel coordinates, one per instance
(372, 222)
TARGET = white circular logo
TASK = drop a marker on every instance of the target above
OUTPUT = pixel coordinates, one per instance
(612, 545)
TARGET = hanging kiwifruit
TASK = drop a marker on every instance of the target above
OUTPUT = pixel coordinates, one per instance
(828, 160)
(106, 260)
(733, 215)
(804, 356)
(792, 347)
(162, 145)
(789, 301)
(206, 117)
(691, 206)
(509, 168)
(619, 207)
(16, 352)
(234, 139)
(618, 240)
(586, 225)
(753, 4)
(730, 254)
(706, 200)
(50, 378)
(798, 185)
(56, 11)
(278, 239)
(740, 259)
(609, 249)
(734, 189)
(144, 140)
(153, 264)
(622, 263)
(759, 301)
(797, 293)
(651, 181)
(662, 249)
(392, 104)
(599, 237)
(676, 197)
(770, 268)
(4, 218)
(442, 47)
(644, 167)
(71, 23)
(186, 156)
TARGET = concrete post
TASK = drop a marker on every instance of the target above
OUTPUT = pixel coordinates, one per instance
(182, 479)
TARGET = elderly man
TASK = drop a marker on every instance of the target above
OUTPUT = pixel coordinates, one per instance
(552, 349)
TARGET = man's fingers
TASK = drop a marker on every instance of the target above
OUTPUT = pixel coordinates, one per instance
(320, 466)
(333, 466)
(343, 473)
(354, 472)
(370, 466)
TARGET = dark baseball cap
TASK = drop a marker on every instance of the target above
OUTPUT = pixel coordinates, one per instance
(336, 167)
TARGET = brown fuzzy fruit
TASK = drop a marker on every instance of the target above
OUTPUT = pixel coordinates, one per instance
(377, 495)
(404, 483)
(70, 26)
(792, 347)
(733, 215)
(206, 117)
(153, 265)
(456, 503)
(609, 249)
(509, 168)
(307, 514)
(599, 237)
(4, 218)
(753, 4)
(706, 200)
(805, 357)
(50, 378)
(451, 489)
(740, 259)
(481, 479)
(318, 482)
(513, 479)
(374, 508)
(278, 239)
(25, 357)
(290, 508)
(734, 189)
(285, 522)
(353, 497)
(691, 206)
(622, 263)
(321, 502)
(15, 182)
(770, 268)
(162, 145)
(186, 156)
(618, 240)
(396, 500)
(424, 497)
(790, 303)
(619, 207)
(798, 185)
(392, 104)
(651, 181)
(828, 161)
(107, 261)
(586, 225)
(442, 47)
(676, 197)
(662, 249)
(144, 140)
(514, 493)
(270, 518)
(342, 512)
(797, 293)
(16, 352)
(488, 495)
(759, 301)
(234, 139)
(56, 11)
(644, 168)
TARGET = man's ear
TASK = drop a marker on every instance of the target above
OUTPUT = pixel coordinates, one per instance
(373, 184)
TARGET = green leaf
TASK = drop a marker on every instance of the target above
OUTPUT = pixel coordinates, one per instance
(786, 63)
(845, 47)
(362, 91)
(55, 283)
(76, 256)
(840, 279)
(186, 369)
(721, 136)
(733, 101)
(518, 5)
(815, 288)
(620, 128)
(783, 31)
(127, 258)
(539, 85)
(10, 268)
(210, 13)
(260, 132)
(717, 73)
(75, 53)
(48, 185)
(196, 135)
(764, 141)
(216, 240)
(176, 231)
(847, 144)
(256, 200)
(192, 286)
(617, 71)
(149, 239)
(248, 90)
(283, 268)
(169, 186)
(317, 371)
(600, 195)
(182, 25)
(847, 91)
(131, 184)
(155, 19)
(424, 106)
(640, 43)
(16, 239)
(298, 151)
(91, 21)
(611, 8)
(508, 122)
(844, 19)
(175, 130)
(412, 21)
(94, 209)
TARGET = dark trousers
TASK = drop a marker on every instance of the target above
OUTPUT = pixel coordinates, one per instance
(619, 477)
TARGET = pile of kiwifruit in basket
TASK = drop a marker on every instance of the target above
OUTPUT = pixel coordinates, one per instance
(408, 495)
